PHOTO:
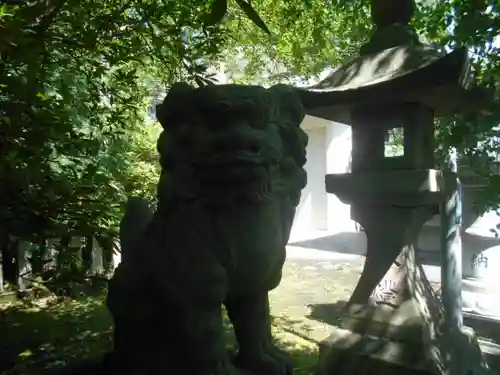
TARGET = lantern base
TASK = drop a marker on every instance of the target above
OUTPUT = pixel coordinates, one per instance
(400, 330)
(347, 353)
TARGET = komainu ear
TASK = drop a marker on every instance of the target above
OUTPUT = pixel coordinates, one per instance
(288, 101)
(178, 97)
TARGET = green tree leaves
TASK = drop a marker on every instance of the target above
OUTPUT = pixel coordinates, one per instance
(74, 132)
(76, 79)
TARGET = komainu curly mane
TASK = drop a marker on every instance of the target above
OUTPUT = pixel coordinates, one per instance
(231, 142)
(232, 162)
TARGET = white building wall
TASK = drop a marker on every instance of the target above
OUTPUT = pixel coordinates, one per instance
(316, 176)
(328, 151)
(338, 160)
(303, 223)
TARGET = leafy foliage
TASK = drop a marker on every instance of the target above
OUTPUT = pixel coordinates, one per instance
(76, 82)
(73, 105)
(77, 78)
(307, 37)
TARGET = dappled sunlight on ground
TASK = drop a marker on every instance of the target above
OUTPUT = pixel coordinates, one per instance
(39, 337)
(304, 352)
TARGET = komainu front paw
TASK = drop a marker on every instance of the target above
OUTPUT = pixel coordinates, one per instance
(272, 361)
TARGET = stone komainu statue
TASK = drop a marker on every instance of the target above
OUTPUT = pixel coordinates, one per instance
(232, 162)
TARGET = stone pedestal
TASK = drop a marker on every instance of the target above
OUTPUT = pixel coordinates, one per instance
(398, 331)
(349, 353)
(395, 323)
(394, 326)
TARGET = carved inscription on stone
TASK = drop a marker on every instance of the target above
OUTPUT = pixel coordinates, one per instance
(479, 260)
(390, 290)
(386, 291)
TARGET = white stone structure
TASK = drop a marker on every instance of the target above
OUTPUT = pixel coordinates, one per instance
(23, 264)
(96, 260)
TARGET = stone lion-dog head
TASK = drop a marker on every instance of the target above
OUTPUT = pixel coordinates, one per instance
(226, 142)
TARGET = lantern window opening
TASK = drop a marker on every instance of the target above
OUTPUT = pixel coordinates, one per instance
(394, 142)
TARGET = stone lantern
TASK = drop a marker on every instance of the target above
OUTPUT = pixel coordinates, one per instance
(394, 321)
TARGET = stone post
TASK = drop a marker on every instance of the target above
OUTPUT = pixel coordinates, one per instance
(97, 265)
(451, 256)
(23, 265)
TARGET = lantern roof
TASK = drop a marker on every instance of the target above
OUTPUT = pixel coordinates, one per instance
(394, 67)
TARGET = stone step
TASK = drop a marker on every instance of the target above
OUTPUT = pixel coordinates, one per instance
(470, 284)
(491, 354)
(487, 329)
(483, 304)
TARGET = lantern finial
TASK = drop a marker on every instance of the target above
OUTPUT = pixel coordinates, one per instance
(389, 12)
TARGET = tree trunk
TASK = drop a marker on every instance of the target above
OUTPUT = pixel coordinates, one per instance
(37, 257)
(8, 260)
(63, 260)
(23, 266)
(4, 242)
(50, 261)
(1, 270)
(76, 245)
(87, 254)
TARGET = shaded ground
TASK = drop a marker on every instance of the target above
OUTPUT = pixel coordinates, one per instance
(354, 243)
(36, 339)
